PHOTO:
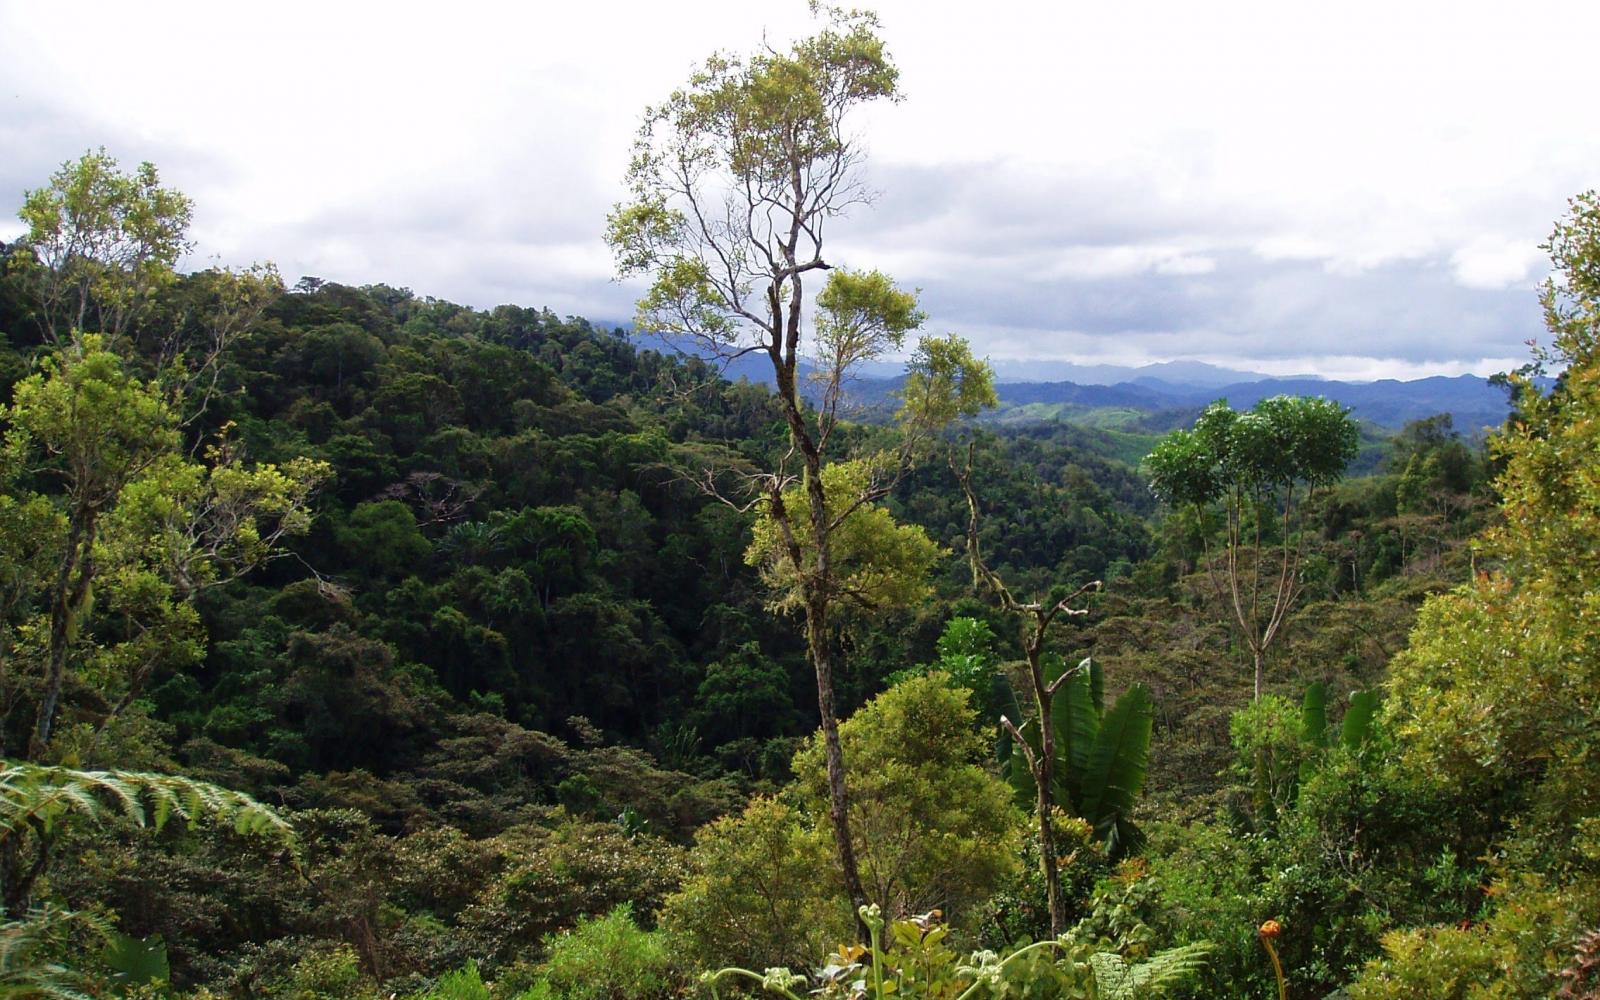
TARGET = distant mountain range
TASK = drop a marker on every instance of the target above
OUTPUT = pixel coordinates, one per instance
(1472, 402)
(1170, 393)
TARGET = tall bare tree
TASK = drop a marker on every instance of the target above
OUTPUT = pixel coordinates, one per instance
(734, 181)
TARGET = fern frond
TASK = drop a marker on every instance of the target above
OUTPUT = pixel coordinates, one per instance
(35, 794)
(1118, 979)
(27, 946)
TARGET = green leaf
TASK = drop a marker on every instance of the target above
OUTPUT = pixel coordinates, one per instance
(1358, 719)
(1016, 771)
(1117, 768)
(1077, 725)
(135, 962)
(1314, 716)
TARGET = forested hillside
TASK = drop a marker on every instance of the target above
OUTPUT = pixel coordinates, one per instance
(355, 643)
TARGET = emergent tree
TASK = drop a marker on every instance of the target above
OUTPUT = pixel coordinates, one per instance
(734, 180)
(100, 243)
(1260, 467)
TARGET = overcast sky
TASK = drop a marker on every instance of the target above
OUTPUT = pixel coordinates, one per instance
(1353, 188)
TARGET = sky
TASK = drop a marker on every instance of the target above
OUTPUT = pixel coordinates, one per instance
(1352, 189)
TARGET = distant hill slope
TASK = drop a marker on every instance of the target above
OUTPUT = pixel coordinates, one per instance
(1168, 393)
(1472, 402)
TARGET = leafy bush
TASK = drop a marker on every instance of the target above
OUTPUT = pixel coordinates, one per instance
(1020, 909)
(610, 958)
(559, 876)
(933, 828)
(463, 984)
(761, 894)
(329, 974)
(912, 960)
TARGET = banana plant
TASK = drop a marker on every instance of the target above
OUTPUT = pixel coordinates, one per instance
(1100, 757)
(1281, 760)
(1360, 719)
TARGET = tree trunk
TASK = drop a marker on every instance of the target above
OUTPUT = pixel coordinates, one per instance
(19, 874)
(833, 752)
(1261, 669)
(785, 332)
(71, 593)
(1045, 803)
(1044, 780)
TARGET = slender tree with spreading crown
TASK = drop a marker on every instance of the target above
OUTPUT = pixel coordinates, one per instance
(1260, 467)
(733, 183)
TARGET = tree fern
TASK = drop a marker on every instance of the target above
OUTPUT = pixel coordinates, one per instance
(36, 798)
(28, 955)
(1118, 979)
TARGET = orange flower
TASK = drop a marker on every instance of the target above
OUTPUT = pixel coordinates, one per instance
(1270, 929)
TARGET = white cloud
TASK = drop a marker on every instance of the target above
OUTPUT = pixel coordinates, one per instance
(1166, 178)
(1489, 262)
(1091, 263)
(1186, 264)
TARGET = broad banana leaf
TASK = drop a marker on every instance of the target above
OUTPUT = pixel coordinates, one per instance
(1097, 683)
(1359, 719)
(1314, 727)
(135, 961)
(1077, 726)
(1314, 716)
(1016, 771)
(1117, 768)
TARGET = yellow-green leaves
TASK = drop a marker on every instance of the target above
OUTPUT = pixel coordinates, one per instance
(685, 300)
(108, 556)
(944, 382)
(934, 828)
(35, 797)
(87, 421)
(101, 241)
(733, 177)
(635, 231)
(875, 562)
(1572, 303)
(1502, 677)
(861, 315)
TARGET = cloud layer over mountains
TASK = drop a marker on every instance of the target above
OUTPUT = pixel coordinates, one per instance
(1357, 190)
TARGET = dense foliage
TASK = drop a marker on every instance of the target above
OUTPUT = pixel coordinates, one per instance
(357, 644)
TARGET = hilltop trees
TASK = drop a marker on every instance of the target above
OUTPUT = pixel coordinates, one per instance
(100, 244)
(1259, 467)
(118, 524)
(1496, 697)
(734, 181)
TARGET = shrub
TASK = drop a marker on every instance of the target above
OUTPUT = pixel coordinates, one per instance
(761, 894)
(330, 974)
(611, 958)
(578, 870)
(933, 828)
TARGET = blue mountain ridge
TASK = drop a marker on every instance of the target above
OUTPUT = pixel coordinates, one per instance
(1472, 401)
